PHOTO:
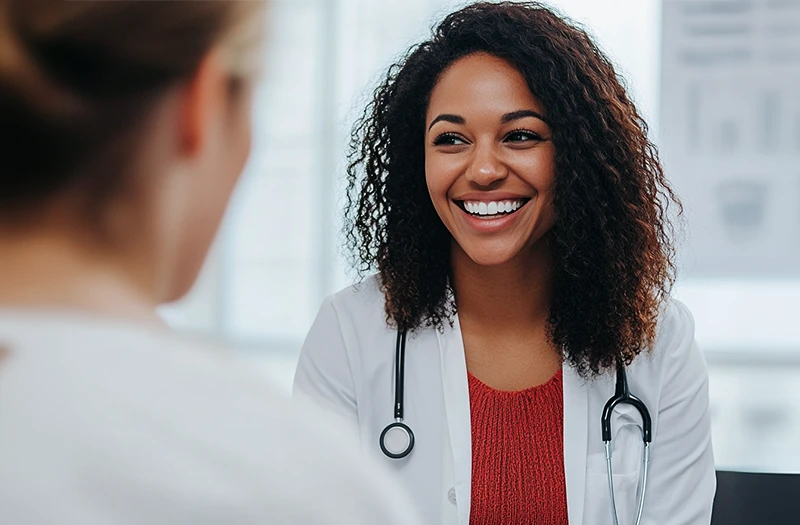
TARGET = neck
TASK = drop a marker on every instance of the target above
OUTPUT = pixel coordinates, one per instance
(514, 294)
(51, 270)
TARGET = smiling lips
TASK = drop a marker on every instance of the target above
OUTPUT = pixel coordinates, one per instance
(491, 209)
(489, 217)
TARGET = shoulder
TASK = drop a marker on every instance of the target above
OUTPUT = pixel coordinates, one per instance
(354, 318)
(166, 415)
(361, 306)
(675, 332)
(674, 350)
(675, 324)
(95, 367)
(366, 294)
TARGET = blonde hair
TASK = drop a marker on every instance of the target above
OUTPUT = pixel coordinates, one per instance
(77, 76)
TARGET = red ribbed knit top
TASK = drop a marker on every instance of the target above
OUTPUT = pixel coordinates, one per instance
(518, 455)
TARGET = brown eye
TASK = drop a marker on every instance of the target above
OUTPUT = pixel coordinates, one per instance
(448, 139)
(521, 135)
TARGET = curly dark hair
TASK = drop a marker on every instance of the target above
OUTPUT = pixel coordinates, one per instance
(613, 240)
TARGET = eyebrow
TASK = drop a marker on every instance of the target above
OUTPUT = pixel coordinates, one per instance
(505, 119)
(516, 115)
(446, 117)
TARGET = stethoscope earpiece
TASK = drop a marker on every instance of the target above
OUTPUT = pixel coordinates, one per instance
(622, 396)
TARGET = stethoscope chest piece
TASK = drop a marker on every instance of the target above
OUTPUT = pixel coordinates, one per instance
(397, 440)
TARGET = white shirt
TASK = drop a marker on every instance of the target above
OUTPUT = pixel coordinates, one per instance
(105, 423)
(348, 360)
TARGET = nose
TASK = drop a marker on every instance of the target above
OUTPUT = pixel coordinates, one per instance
(485, 167)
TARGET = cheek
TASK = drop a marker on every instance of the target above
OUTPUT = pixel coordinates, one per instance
(246, 136)
(548, 216)
(240, 135)
(439, 185)
(208, 197)
(440, 175)
(538, 170)
(202, 221)
(235, 147)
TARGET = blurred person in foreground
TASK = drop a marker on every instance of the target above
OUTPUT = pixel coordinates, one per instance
(124, 126)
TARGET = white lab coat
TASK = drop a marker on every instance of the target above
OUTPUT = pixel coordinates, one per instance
(347, 363)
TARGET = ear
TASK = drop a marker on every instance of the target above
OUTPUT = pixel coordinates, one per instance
(202, 99)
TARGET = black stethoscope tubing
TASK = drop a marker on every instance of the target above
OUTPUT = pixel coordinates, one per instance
(622, 395)
(398, 426)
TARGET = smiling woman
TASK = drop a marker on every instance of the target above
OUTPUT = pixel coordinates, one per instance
(503, 186)
(613, 238)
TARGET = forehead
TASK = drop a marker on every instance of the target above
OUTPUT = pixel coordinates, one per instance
(481, 83)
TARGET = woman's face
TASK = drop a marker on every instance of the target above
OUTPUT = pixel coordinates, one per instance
(489, 159)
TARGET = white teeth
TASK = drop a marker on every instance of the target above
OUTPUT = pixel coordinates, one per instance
(491, 208)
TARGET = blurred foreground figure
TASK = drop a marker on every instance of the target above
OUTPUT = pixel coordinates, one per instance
(124, 126)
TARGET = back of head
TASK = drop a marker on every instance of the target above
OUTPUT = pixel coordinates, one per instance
(76, 77)
(124, 126)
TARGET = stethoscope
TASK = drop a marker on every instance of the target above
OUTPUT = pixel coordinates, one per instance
(397, 439)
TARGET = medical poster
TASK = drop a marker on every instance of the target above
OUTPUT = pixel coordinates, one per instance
(730, 133)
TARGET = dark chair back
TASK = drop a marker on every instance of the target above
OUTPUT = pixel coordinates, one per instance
(746, 498)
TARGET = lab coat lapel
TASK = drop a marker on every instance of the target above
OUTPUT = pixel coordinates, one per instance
(576, 436)
(456, 398)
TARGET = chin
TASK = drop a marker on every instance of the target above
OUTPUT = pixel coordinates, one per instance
(182, 283)
(490, 257)
(176, 293)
